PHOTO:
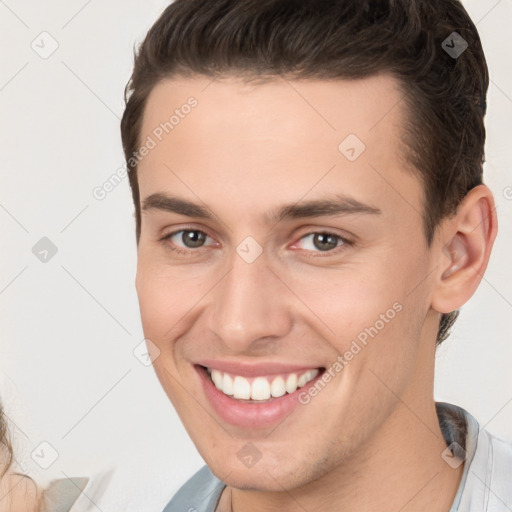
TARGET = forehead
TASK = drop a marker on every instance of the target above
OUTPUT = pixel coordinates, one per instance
(288, 135)
(322, 107)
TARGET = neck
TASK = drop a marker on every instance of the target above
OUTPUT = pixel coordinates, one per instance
(399, 468)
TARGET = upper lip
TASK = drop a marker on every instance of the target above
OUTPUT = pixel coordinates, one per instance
(245, 369)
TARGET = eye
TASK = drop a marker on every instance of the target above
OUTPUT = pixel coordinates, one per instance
(322, 241)
(188, 238)
(184, 241)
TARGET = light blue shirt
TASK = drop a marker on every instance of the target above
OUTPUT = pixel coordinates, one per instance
(485, 486)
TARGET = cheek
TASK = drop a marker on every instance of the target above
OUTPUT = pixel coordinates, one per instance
(373, 299)
(348, 299)
(162, 300)
(164, 291)
(155, 304)
(171, 299)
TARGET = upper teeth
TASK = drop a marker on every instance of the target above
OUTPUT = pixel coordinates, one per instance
(260, 388)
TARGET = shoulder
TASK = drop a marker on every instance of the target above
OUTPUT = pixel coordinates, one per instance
(493, 460)
(19, 493)
(488, 486)
(199, 494)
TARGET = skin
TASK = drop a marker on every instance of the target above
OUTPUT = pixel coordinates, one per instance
(370, 440)
(18, 493)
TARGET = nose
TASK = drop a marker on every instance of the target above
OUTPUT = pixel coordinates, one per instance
(251, 306)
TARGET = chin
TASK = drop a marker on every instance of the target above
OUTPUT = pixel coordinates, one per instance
(264, 476)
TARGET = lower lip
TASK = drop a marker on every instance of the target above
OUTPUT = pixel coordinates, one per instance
(251, 415)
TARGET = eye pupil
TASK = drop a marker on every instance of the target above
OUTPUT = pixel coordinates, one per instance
(193, 238)
(324, 241)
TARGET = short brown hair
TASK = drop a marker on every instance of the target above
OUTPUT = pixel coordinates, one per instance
(324, 39)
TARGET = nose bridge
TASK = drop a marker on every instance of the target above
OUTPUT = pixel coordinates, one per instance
(249, 303)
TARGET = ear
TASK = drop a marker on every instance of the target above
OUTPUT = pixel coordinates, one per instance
(464, 247)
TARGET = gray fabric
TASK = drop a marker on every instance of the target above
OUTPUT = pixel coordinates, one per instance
(61, 494)
(200, 494)
(469, 443)
(485, 486)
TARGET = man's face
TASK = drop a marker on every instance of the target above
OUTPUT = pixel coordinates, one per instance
(265, 300)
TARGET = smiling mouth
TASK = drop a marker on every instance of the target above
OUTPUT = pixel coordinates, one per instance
(260, 389)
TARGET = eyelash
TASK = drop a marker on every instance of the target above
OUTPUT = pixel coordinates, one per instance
(344, 242)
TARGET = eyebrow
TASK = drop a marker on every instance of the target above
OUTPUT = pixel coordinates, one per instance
(340, 205)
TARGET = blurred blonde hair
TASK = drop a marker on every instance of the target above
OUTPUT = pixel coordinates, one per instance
(6, 452)
(17, 491)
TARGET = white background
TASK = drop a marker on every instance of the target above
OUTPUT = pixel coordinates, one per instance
(68, 375)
